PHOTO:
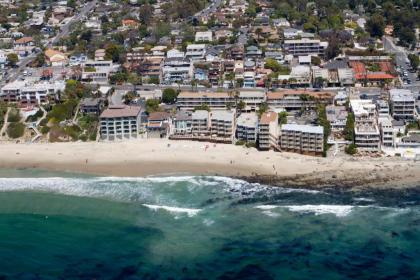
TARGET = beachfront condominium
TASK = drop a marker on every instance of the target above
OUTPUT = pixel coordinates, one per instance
(200, 123)
(387, 132)
(366, 130)
(304, 139)
(120, 122)
(247, 127)
(403, 104)
(214, 100)
(268, 131)
(305, 46)
(223, 124)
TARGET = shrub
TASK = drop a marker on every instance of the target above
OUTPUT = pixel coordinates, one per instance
(351, 149)
(240, 143)
(14, 115)
(15, 130)
(45, 129)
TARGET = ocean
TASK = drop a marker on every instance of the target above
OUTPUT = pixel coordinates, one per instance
(65, 226)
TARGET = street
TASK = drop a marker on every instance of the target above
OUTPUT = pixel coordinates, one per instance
(13, 74)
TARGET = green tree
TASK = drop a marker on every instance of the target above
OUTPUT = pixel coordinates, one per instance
(113, 52)
(262, 108)
(169, 95)
(282, 117)
(152, 105)
(414, 60)
(241, 105)
(323, 121)
(375, 25)
(351, 149)
(129, 97)
(349, 128)
(13, 59)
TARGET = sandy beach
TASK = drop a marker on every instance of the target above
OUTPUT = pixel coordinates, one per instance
(164, 157)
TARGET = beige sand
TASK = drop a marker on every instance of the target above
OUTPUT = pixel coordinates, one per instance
(164, 157)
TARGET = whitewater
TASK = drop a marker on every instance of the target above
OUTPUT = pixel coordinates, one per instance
(57, 225)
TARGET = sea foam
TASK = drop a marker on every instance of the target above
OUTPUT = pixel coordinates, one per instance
(176, 210)
(337, 210)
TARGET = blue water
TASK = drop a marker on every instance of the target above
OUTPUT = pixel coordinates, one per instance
(56, 226)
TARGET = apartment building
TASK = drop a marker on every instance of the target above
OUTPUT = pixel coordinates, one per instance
(196, 51)
(268, 129)
(120, 122)
(295, 100)
(366, 130)
(150, 67)
(215, 100)
(97, 71)
(303, 139)
(252, 99)
(200, 123)
(387, 132)
(177, 69)
(403, 104)
(223, 124)
(305, 47)
(30, 93)
(383, 108)
(247, 127)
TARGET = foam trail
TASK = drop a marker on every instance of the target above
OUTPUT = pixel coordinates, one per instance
(189, 211)
(337, 210)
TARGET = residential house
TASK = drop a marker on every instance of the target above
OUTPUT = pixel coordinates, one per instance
(24, 46)
(176, 69)
(204, 36)
(158, 124)
(196, 51)
(182, 123)
(56, 58)
(91, 106)
(337, 116)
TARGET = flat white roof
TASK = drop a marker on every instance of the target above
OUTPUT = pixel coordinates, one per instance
(303, 128)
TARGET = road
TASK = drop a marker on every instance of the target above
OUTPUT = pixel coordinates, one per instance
(212, 8)
(14, 73)
(401, 59)
(65, 29)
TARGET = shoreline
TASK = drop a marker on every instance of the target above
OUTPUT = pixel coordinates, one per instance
(162, 157)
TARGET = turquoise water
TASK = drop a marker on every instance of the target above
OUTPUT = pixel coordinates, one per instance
(57, 226)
